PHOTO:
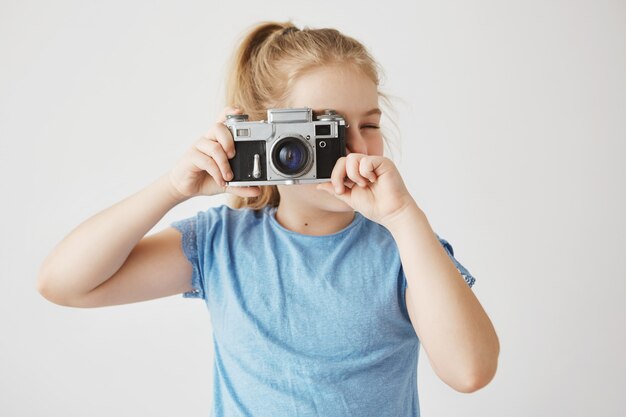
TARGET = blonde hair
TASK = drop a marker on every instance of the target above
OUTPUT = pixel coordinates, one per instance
(270, 58)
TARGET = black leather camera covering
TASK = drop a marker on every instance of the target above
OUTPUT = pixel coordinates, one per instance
(243, 167)
(327, 156)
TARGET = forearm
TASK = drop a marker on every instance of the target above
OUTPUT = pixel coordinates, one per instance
(99, 246)
(455, 331)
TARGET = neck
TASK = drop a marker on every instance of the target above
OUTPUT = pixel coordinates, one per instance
(311, 221)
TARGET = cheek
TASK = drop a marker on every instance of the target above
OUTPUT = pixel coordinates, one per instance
(376, 146)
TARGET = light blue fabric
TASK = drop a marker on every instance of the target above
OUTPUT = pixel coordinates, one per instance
(304, 325)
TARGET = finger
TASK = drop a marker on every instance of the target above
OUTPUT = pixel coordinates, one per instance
(367, 169)
(348, 183)
(338, 175)
(345, 196)
(326, 186)
(213, 149)
(352, 169)
(224, 137)
(207, 164)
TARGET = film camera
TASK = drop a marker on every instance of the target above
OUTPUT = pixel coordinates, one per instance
(288, 148)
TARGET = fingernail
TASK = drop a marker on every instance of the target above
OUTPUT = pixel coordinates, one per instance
(338, 190)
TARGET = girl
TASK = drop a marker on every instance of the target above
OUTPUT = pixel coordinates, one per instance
(319, 295)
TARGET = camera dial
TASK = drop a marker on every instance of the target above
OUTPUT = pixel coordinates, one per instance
(329, 115)
(237, 117)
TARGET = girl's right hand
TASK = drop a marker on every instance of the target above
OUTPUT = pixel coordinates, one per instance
(204, 168)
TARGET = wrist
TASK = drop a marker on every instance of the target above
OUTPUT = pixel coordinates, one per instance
(174, 196)
(410, 213)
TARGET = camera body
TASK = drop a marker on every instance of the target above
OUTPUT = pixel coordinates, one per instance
(288, 148)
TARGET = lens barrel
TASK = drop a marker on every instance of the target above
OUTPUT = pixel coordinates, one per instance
(291, 156)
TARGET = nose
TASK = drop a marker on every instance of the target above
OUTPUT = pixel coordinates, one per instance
(355, 143)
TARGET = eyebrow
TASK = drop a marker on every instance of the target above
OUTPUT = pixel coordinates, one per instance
(373, 111)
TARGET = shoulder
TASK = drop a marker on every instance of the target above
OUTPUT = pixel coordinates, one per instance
(375, 235)
(220, 220)
(382, 234)
(230, 218)
(375, 229)
(225, 213)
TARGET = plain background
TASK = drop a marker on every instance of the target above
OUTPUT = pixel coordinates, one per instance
(512, 122)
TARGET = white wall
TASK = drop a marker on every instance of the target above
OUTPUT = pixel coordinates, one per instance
(513, 122)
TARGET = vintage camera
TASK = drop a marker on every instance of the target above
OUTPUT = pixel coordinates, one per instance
(288, 148)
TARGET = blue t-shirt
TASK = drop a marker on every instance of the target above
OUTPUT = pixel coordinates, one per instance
(304, 325)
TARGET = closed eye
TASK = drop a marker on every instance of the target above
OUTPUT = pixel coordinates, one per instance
(370, 127)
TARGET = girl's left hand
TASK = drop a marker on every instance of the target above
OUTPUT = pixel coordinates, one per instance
(370, 185)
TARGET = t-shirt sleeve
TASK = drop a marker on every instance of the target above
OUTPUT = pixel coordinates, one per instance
(192, 241)
(467, 276)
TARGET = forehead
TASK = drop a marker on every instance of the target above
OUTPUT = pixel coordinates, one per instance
(347, 91)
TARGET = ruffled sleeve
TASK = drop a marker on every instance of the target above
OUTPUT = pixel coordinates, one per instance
(467, 276)
(189, 228)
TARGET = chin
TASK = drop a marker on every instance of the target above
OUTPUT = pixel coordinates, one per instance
(331, 203)
(309, 195)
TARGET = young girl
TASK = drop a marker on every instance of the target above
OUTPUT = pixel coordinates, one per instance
(319, 294)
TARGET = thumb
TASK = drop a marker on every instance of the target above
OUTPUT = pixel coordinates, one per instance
(328, 187)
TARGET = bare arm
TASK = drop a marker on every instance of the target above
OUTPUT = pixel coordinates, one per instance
(455, 331)
(106, 260)
(98, 247)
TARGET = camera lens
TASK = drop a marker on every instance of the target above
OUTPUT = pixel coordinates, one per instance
(291, 156)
